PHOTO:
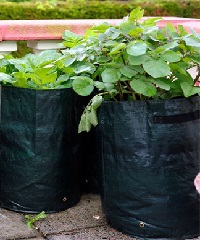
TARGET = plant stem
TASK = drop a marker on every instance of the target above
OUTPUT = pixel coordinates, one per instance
(131, 90)
(121, 97)
(197, 76)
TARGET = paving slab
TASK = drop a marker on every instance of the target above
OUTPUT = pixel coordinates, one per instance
(13, 226)
(98, 233)
(86, 214)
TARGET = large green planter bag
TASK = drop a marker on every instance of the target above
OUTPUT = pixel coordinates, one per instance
(41, 157)
(150, 156)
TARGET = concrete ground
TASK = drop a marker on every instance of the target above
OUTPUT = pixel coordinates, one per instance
(85, 221)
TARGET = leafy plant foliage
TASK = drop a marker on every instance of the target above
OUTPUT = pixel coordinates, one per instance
(135, 60)
(34, 71)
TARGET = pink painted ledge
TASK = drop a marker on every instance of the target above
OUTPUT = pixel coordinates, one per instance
(53, 29)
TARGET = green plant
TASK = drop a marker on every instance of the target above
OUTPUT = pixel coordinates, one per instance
(46, 4)
(33, 71)
(30, 221)
(96, 9)
(135, 60)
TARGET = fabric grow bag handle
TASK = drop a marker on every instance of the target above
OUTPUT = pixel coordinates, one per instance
(178, 118)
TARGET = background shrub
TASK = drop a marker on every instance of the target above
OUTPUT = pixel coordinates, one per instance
(69, 9)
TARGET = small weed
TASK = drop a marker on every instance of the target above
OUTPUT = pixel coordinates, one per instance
(30, 221)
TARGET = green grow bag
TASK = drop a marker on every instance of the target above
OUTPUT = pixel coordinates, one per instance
(40, 150)
(150, 155)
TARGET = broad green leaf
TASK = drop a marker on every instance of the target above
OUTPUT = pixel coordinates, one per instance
(71, 38)
(194, 58)
(70, 35)
(192, 41)
(21, 79)
(99, 85)
(45, 57)
(82, 85)
(63, 78)
(133, 60)
(136, 32)
(84, 124)
(189, 90)
(185, 78)
(114, 65)
(158, 37)
(128, 71)
(143, 87)
(62, 81)
(149, 22)
(109, 44)
(180, 67)
(6, 56)
(79, 49)
(118, 48)
(101, 28)
(21, 65)
(171, 31)
(138, 69)
(43, 72)
(69, 44)
(29, 76)
(96, 101)
(93, 117)
(103, 59)
(166, 47)
(136, 14)
(169, 27)
(80, 67)
(69, 61)
(68, 70)
(110, 75)
(137, 48)
(60, 62)
(182, 31)
(5, 77)
(126, 27)
(156, 68)
(112, 32)
(162, 83)
(195, 33)
(89, 116)
(102, 37)
(3, 69)
(170, 56)
(151, 31)
(50, 78)
(175, 89)
(109, 86)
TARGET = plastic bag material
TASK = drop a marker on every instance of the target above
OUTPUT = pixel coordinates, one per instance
(40, 150)
(150, 155)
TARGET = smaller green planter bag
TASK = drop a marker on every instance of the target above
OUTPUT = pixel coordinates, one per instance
(41, 160)
(41, 156)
